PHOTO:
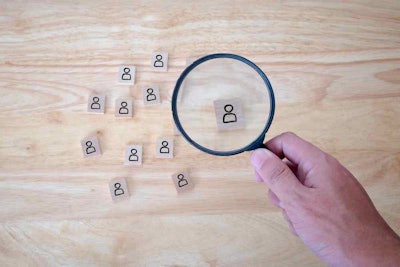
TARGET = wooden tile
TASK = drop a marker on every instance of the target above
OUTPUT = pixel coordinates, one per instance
(182, 181)
(159, 61)
(126, 74)
(151, 95)
(133, 155)
(229, 114)
(96, 103)
(119, 189)
(165, 147)
(91, 147)
(124, 107)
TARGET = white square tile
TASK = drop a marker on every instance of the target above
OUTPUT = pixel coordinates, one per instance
(124, 107)
(159, 61)
(182, 181)
(229, 114)
(119, 189)
(165, 147)
(126, 74)
(91, 147)
(133, 155)
(96, 103)
(151, 95)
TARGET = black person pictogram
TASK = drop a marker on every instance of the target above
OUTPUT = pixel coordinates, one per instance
(118, 190)
(181, 180)
(158, 63)
(90, 148)
(95, 104)
(229, 116)
(150, 95)
(126, 76)
(133, 156)
(164, 149)
(123, 109)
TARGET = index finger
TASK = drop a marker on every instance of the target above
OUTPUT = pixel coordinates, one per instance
(295, 149)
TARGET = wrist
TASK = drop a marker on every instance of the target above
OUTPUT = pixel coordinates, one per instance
(380, 249)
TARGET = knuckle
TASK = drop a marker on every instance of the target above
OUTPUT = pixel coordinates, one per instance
(289, 135)
(278, 172)
(329, 160)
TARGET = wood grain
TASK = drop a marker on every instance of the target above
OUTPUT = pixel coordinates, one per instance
(335, 70)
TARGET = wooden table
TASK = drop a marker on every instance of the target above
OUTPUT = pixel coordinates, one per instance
(335, 70)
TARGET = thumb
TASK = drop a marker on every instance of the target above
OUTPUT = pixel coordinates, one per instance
(276, 174)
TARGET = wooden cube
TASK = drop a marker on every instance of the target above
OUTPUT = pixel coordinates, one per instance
(151, 95)
(126, 74)
(165, 147)
(229, 114)
(159, 61)
(119, 189)
(182, 181)
(91, 147)
(124, 107)
(133, 155)
(96, 103)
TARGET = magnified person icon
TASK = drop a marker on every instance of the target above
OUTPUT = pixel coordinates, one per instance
(229, 116)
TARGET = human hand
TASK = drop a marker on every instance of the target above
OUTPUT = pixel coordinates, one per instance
(324, 204)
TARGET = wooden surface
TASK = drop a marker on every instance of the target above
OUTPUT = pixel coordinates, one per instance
(335, 69)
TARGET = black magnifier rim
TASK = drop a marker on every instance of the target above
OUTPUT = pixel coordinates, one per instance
(259, 140)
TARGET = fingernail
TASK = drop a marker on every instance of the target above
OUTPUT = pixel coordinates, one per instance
(258, 157)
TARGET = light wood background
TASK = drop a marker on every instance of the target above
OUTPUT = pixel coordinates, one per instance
(334, 66)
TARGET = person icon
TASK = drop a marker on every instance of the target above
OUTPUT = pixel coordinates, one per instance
(95, 103)
(126, 76)
(123, 109)
(181, 180)
(118, 190)
(90, 148)
(158, 63)
(164, 147)
(150, 94)
(133, 156)
(229, 116)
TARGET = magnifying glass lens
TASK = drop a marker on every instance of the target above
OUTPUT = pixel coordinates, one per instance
(223, 104)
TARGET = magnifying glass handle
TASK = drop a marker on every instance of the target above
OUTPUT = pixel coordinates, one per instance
(257, 144)
(262, 145)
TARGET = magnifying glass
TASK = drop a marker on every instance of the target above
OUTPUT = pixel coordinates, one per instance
(223, 104)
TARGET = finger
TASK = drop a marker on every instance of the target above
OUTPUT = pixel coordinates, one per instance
(292, 230)
(292, 166)
(257, 177)
(291, 227)
(276, 174)
(273, 198)
(297, 150)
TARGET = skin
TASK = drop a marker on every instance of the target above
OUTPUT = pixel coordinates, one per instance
(324, 204)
